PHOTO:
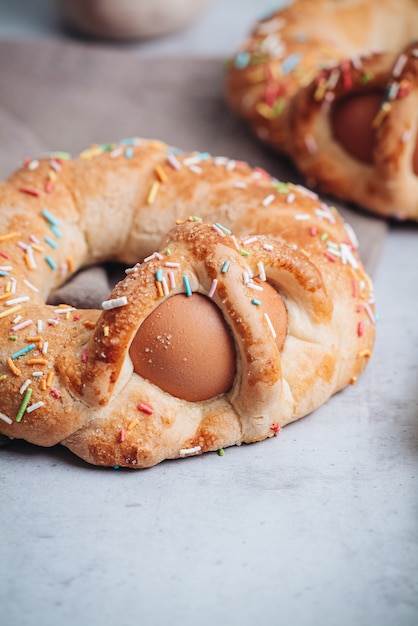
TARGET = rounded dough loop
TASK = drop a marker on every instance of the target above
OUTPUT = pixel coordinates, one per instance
(305, 80)
(268, 264)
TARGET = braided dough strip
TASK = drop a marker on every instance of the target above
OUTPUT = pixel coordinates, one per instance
(300, 63)
(67, 375)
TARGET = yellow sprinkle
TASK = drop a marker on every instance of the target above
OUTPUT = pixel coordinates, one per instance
(106, 331)
(90, 153)
(49, 378)
(133, 423)
(3, 377)
(37, 361)
(52, 176)
(9, 236)
(366, 353)
(353, 380)
(89, 324)
(70, 264)
(8, 286)
(265, 111)
(33, 338)
(320, 90)
(16, 371)
(11, 311)
(37, 248)
(28, 262)
(381, 114)
(43, 384)
(153, 192)
(161, 173)
(4, 296)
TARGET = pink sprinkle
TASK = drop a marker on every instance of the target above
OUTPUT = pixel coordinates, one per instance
(360, 329)
(172, 279)
(175, 163)
(122, 435)
(4, 255)
(355, 288)
(22, 325)
(30, 191)
(55, 393)
(213, 288)
(145, 408)
(84, 355)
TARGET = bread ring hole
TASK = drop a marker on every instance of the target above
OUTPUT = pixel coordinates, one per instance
(351, 121)
(186, 348)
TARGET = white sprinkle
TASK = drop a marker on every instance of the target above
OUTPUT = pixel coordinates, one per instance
(172, 264)
(31, 258)
(270, 325)
(302, 216)
(220, 160)
(17, 319)
(268, 246)
(35, 406)
(347, 256)
(55, 165)
(52, 322)
(231, 165)
(246, 277)
(406, 136)
(28, 284)
(196, 169)
(399, 65)
(114, 303)
(40, 326)
(249, 241)
(192, 160)
(262, 271)
(37, 374)
(45, 347)
(351, 235)
(213, 287)
(254, 286)
(290, 198)
(64, 310)
(5, 418)
(187, 451)
(33, 165)
(25, 386)
(6, 268)
(173, 161)
(240, 185)
(115, 153)
(307, 192)
(14, 285)
(166, 290)
(158, 256)
(17, 300)
(268, 199)
(22, 325)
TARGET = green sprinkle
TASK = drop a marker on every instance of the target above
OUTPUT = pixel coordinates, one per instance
(24, 404)
(168, 252)
(221, 452)
(281, 187)
(324, 236)
(13, 337)
(51, 262)
(366, 78)
(244, 252)
(23, 351)
(62, 155)
(195, 218)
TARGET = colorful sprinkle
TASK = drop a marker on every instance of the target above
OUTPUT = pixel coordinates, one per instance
(114, 303)
(187, 286)
(24, 405)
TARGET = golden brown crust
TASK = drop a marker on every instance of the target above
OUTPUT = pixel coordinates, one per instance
(237, 228)
(298, 63)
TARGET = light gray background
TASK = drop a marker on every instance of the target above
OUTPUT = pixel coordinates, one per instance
(316, 527)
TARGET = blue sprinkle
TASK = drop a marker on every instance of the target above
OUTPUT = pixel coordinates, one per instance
(2, 273)
(128, 142)
(225, 230)
(225, 267)
(23, 351)
(186, 283)
(256, 302)
(51, 262)
(56, 231)
(49, 218)
(242, 59)
(291, 62)
(51, 242)
(159, 275)
(129, 152)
